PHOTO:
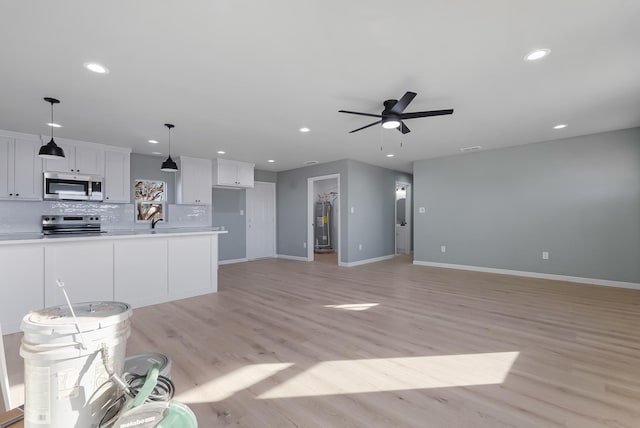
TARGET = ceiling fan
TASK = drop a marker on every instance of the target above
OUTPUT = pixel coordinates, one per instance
(392, 116)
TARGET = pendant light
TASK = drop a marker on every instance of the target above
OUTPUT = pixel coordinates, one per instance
(169, 165)
(51, 149)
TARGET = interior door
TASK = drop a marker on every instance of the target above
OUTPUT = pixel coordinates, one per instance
(261, 220)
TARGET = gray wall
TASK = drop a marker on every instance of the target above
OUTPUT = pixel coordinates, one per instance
(147, 167)
(227, 204)
(266, 176)
(369, 189)
(372, 194)
(577, 198)
(291, 194)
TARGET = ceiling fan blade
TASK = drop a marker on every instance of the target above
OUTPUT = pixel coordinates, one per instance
(403, 128)
(403, 102)
(417, 114)
(361, 114)
(364, 127)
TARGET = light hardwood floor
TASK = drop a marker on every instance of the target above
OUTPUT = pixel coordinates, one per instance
(442, 348)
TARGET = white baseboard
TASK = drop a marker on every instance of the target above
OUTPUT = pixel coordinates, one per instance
(230, 261)
(297, 258)
(551, 276)
(366, 261)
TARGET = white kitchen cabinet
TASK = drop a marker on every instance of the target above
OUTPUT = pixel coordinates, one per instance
(230, 173)
(193, 181)
(140, 267)
(136, 269)
(22, 268)
(117, 176)
(80, 158)
(20, 169)
(190, 266)
(86, 268)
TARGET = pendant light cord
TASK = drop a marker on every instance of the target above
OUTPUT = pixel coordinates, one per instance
(169, 141)
(52, 123)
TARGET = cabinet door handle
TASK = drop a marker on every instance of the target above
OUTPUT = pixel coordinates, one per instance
(107, 197)
(10, 194)
(17, 194)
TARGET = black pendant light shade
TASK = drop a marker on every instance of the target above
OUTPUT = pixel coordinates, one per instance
(169, 165)
(51, 149)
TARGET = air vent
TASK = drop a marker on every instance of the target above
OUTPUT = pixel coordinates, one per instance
(310, 162)
(470, 149)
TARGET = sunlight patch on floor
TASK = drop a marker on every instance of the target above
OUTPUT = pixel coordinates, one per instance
(353, 306)
(395, 374)
(226, 385)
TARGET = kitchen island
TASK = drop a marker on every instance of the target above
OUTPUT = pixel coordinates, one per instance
(139, 267)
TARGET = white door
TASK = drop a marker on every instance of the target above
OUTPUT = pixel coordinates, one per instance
(261, 220)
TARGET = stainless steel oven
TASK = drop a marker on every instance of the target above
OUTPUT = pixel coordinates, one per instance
(72, 187)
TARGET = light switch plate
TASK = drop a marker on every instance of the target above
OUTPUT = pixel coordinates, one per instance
(422, 210)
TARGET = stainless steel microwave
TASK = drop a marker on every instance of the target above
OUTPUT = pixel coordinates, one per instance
(72, 187)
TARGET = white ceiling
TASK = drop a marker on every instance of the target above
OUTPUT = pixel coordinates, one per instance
(243, 76)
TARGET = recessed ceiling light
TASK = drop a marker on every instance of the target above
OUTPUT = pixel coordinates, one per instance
(562, 125)
(390, 155)
(537, 54)
(271, 161)
(54, 125)
(96, 68)
(221, 152)
(470, 149)
(153, 141)
(304, 129)
(156, 153)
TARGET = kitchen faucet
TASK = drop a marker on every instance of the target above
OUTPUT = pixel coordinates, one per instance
(154, 221)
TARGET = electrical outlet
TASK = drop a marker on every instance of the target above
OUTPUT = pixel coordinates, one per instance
(241, 212)
(443, 248)
(360, 247)
(422, 210)
(304, 245)
(353, 210)
(545, 255)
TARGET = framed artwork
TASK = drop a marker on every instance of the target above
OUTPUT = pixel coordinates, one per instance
(150, 197)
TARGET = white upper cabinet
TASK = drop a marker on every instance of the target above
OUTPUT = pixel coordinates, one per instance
(20, 168)
(230, 173)
(79, 158)
(193, 181)
(117, 176)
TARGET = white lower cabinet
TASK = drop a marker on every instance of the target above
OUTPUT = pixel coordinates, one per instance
(140, 271)
(21, 291)
(86, 268)
(190, 266)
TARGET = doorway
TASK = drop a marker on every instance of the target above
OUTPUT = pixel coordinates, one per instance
(403, 218)
(261, 220)
(323, 233)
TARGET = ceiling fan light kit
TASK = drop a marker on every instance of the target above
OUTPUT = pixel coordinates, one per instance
(393, 115)
(51, 150)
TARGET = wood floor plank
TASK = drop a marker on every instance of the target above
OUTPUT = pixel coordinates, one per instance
(268, 351)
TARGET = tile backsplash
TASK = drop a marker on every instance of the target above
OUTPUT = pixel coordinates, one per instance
(24, 217)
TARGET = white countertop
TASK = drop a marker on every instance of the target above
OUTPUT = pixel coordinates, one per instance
(26, 238)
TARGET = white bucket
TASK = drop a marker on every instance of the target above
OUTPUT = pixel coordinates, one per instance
(66, 386)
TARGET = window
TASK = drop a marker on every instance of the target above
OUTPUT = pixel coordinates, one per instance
(150, 198)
